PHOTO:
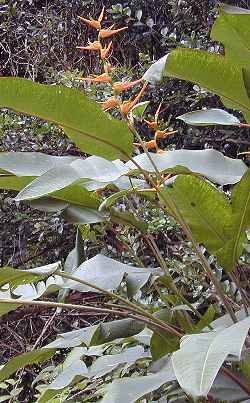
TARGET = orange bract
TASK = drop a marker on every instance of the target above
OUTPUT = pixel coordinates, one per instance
(102, 78)
(109, 103)
(96, 45)
(153, 125)
(94, 23)
(161, 134)
(105, 51)
(128, 105)
(123, 86)
(107, 32)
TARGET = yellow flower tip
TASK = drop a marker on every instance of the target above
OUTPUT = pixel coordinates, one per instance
(124, 86)
(100, 18)
(106, 33)
(158, 111)
(110, 103)
(105, 51)
(102, 78)
(91, 46)
(92, 23)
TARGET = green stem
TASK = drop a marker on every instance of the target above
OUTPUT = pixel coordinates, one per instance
(128, 303)
(86, 308)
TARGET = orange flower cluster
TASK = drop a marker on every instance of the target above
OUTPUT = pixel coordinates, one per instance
(118, 87)
(103, 34)
(105, 77)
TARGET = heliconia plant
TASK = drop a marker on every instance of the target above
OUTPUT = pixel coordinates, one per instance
(203, 357)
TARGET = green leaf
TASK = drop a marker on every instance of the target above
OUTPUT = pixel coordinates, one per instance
(108, 274)
(139, 109)
(232, 250)
(205, 209)
(97, 334)
(209, 117)
(232, 28)
(207, 69)
(11, 182)
(206, 319)
(15, 277)
(201, 356)
(72, 369)
(20, 361)
(131, 389)
(93, 131)
(112, 199)
(5, 307)
(209, 163)
(163, 343)
(245, 367)
(127, 218)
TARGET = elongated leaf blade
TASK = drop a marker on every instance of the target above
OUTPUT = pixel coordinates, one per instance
(205, 209)
(232, 250)
(207, 69)
(32, 357)
(83, 121)
(129, 390)
(200, 357)
(209, 117)
(209, 163)
(232, 28)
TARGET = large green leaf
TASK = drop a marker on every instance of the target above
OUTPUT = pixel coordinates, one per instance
(109, 362)
(72, 369)
(209, 163)
(108, 274)
(15, 277)
(31, 163)
(131, 389)
(83, 121)
(97, 334)
(32, 357)
(163, 343)
(232, 28)
(232, 250)
(205, 209)
(200, 357)
(216, 73)
(209, 117)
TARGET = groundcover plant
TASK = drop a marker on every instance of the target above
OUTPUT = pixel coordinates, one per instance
(159, 346)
